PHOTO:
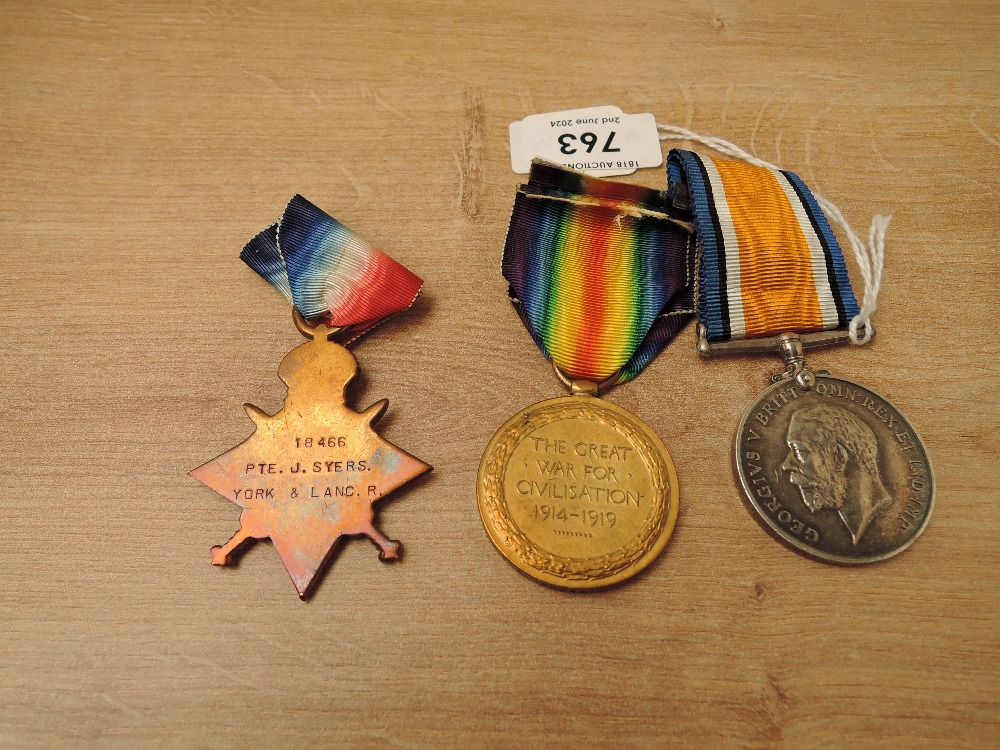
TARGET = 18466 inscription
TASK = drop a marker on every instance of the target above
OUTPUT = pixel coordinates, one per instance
(309, 474)
(577, 492)
(835, 472)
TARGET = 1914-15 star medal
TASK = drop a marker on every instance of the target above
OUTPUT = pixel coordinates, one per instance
(309, 475)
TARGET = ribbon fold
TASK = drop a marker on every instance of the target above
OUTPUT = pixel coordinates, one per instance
(769, 262)
(599, 271)
(331, 274)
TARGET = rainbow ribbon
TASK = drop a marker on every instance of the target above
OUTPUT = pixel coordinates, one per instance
(328, 272)
(769, 262)
(599, 271)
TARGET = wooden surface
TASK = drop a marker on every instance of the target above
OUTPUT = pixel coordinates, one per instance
(142, 144)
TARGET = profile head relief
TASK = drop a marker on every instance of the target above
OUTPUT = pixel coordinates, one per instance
(833, 462)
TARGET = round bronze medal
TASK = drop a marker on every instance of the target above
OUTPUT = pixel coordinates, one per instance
(577, 492)
(835, 472)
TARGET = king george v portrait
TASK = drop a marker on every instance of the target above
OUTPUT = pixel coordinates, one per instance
(833, 461)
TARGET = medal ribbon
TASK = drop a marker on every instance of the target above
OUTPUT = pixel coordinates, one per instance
(328, 272)
(599, 271)
(770, 263)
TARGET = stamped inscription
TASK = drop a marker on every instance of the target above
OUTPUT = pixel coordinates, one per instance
(556, 483)
(309, 474)
(577, 492)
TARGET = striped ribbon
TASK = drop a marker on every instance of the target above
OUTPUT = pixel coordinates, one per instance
(599, 271)
(328, 272)
(770, 263)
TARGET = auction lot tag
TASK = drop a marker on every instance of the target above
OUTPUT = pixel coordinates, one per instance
(602, 141)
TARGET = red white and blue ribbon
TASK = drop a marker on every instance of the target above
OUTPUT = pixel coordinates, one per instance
(331, 274)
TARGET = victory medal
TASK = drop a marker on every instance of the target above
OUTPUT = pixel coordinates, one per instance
(830, 468)
(310, 474)
(576, 491)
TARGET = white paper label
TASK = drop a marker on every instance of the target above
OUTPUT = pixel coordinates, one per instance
(601, 141)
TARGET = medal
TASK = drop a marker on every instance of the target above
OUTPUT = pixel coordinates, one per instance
(828, 467)
(576, 491)
(310, 474)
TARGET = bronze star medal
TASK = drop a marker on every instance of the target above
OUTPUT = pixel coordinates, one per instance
(310, 474)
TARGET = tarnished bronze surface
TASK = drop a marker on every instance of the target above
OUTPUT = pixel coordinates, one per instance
(309, 474)
(834, 472)
(577, 492)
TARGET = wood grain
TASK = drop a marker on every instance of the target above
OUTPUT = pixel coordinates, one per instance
(142, 144)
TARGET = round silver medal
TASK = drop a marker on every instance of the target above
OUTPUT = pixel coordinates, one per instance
(834, 471)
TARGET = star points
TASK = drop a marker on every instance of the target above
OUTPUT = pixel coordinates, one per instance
(310, 474)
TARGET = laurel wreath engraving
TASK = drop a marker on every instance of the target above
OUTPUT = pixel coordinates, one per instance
(540, 559)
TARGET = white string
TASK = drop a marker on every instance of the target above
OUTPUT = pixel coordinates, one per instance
(870, 258)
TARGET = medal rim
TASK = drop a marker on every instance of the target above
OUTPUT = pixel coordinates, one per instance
(671, 498)
(792, 543)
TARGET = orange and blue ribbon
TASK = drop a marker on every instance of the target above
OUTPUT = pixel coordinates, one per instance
(330, 273)
(770, 263)
(599, 271)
